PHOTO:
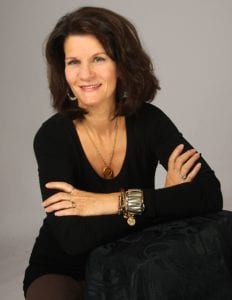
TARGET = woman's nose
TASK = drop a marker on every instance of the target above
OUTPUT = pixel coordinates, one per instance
(85, 72)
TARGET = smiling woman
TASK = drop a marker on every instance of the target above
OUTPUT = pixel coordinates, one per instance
(117, 38)
(98, 155)
(90, 72)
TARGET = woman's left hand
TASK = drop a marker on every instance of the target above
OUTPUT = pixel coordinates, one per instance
(73, 202)
(182, 166)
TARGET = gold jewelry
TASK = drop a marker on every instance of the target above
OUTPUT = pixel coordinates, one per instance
(121, 201)
(107, 170)
(73, 204)
(130, 204)
(183, 176)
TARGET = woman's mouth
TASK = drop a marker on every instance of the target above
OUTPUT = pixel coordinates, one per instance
(90, 87)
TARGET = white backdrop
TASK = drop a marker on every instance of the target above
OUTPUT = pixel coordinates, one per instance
(190, 42)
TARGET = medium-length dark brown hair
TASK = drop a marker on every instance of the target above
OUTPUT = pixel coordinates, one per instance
(136, 80)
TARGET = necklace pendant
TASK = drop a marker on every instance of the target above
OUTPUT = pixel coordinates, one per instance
(108, 173)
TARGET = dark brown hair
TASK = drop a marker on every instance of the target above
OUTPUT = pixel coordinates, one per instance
(136, 83)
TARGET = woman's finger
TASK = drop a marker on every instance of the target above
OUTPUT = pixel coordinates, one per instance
(56, 198)
(60, 185)
(183, 158)
(66, 212)
(194, 172)
(174, 155)
(59, 206)
(188, 165)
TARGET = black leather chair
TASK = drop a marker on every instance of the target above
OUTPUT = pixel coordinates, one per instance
(185, 259)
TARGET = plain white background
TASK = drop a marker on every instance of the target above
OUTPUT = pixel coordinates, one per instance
(190, 42)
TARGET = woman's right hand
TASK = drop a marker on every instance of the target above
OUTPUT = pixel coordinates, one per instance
(182, 166)
(70, 201)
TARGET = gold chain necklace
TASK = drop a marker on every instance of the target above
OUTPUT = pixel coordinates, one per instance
(107, 170)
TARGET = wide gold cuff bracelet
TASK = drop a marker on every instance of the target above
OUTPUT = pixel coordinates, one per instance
(131, 203)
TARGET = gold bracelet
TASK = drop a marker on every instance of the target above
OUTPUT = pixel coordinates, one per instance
(130, 218)
(121, 201)
(130, 204)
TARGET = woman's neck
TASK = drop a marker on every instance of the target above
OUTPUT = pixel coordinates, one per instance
(100, 121)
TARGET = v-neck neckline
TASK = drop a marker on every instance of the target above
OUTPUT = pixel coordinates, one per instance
(93, 171)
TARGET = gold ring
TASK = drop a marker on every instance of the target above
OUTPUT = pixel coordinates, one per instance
(73, 204)
(183, 176)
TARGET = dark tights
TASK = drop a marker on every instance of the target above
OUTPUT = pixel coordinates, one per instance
(56, 287)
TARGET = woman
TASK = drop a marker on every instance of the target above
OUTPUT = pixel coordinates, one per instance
(98, 155)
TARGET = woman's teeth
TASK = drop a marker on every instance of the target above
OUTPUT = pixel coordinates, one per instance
(90, 87)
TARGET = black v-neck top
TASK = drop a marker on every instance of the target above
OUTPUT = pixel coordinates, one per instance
(63, 243)
(88, 164)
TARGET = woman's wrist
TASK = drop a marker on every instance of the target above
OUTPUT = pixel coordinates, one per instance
(108, 203)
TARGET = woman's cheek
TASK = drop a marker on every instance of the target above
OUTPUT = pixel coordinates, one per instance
(69, 75)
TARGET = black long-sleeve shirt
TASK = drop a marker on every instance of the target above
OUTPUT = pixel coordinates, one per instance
(64, 242)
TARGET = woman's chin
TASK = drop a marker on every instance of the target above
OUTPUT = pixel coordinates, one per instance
(92, 104)
(87, 105)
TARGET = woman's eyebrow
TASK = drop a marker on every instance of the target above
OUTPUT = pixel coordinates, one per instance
(99, 53)
(95, 54)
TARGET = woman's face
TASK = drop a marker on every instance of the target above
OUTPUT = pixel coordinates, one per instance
(89, 71)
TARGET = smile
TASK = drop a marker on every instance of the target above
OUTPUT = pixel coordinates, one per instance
(90, 87)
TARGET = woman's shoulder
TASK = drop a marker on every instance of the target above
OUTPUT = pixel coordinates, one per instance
(54, 128)
(150, 108)
(150, 113)
(152, 121)
(55, 121)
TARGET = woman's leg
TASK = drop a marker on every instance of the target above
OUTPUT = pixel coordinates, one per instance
(56, 287)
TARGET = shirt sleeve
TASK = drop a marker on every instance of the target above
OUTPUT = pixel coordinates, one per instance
(202, 195)
(75, 234)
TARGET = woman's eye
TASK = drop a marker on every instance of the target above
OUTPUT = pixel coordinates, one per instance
(72, 62)
(99, 59)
